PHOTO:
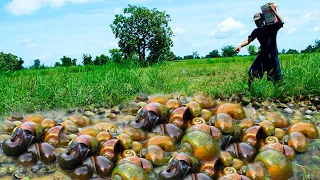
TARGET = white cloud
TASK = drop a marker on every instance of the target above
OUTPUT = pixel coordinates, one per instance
(23, 7)
(292, 30)
(28, 43)
(227, 27)
(316, 29)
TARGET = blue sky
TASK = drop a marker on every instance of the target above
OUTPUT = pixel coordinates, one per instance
(49, 29)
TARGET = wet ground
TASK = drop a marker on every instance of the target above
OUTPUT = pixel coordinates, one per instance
(305, 165)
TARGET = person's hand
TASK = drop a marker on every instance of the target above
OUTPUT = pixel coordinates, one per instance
(237, 49)
(272, 6)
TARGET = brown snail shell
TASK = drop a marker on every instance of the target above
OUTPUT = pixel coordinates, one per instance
(111, 149)
(156, 155)
(136, 134)
(165, 142)
(173, 104)
(195, 108)
(276, 163)
(267, 127)
(298, 142)
(48, 123)
(170, 130)
(34, 118)
(108, 127)
(89, 131)
(44, 151)
(100, 165)
(306, 128)
(242, 151)
(180, 116)
(225, 123)
(158, 99)
(206, 114)
(234, 110)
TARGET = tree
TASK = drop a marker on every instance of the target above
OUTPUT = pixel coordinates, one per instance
(101, 60)
(309, 49)
(10, 62)
(283, 51)
(141, 30)
(57, 64)
(252, 50)
(87, 59)
(213, 54)
(292, 51)
(196, 55)
(36, 64)
(228, 51)
(188, 57)
(116, 55)
(67, 61)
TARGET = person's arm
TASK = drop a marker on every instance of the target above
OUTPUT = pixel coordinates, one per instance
(273, 7)
(245, 43)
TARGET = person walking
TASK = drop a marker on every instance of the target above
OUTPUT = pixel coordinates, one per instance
(267, 59)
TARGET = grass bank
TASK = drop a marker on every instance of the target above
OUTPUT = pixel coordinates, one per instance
(33, 90)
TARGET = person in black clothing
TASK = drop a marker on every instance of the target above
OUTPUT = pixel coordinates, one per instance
(267, 59)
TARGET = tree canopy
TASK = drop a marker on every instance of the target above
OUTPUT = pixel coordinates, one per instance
(228, 51)
(143, 32)
(10, 62)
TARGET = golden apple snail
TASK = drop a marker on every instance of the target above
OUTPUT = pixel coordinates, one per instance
(276, 164)
(56, 137)
(202, 145)
(180, 116)
(306, 128)
(235, 110)
(77, 151)
(150, 115)
(39, 151)
(127, 171)
(179, 166)
(21, 138)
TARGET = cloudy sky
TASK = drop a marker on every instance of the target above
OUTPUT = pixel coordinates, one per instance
(49, 29)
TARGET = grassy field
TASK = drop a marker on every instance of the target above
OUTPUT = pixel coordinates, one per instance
(33, 90)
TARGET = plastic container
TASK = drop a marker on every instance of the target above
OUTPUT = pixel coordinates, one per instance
(268, 14)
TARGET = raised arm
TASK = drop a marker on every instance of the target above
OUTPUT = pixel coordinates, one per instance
(245, 43)
(273, 7)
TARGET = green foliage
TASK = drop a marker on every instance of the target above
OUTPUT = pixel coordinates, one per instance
(66, 61)
(141, 30)
(312, 48)
(213, 54)
(252, 50)
(292, 51)
(188, 57)
(116, 55)
(75, 86)
(228, 51)
(196, 55)
(87, 59)
(101, 60)
(36, 64)
(10, 62)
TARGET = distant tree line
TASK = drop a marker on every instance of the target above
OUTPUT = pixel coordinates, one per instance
(144, 38)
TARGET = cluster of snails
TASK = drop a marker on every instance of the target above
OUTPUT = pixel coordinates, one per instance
(168, 139)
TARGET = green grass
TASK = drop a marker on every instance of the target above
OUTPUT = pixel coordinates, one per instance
(33, 90)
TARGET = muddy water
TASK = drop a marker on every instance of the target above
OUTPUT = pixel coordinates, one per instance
(306, 165)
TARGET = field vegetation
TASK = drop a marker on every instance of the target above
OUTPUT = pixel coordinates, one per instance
(110, 84)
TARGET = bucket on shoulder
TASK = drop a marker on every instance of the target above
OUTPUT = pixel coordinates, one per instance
(268, 14)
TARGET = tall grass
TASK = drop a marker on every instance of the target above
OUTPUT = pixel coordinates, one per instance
(33, 90)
